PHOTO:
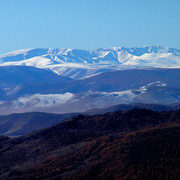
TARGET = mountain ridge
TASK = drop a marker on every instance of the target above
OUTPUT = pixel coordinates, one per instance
(134, 144)
(152, 86)
(133, 50)
(14, 125)
(76, 63)
(88, 79)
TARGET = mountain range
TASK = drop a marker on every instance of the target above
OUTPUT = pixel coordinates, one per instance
(64, 95)
(70, 80)
(77, 64)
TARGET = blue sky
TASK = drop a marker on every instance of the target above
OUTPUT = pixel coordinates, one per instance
(88, 24)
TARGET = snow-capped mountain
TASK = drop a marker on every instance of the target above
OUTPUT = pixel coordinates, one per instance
(82, 63)
(70, 80)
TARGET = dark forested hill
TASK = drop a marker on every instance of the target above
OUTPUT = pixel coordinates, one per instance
(133, 144)
(14, 125)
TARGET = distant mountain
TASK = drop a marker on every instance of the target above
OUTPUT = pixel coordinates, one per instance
(134, 144)
(63, 95)
(31, 80)
(14, 78)
(82, 63)
(14, 75)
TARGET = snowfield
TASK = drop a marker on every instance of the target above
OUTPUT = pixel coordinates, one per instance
(78, 64)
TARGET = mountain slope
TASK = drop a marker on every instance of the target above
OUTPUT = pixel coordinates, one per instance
(14, 75)
(123, 107)
(14, 78)
(138, 144)
(152, 86)
(101, 78)
(20, 124)
(82, 63)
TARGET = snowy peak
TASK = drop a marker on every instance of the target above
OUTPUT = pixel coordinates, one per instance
(142, 50)
(76, 63)
(76, 55)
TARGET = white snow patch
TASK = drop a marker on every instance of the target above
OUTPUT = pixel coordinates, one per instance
(143, 89)
(37, 61)
(12, 91)
(127, 93)
(41, 100)
(14, 53)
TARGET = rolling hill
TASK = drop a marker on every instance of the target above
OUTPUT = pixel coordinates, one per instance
(64, 95)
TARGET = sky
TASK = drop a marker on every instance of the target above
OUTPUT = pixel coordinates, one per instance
(88, 24)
